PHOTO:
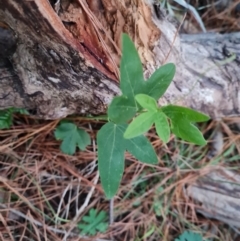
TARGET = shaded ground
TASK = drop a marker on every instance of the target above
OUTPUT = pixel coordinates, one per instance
(44, 194)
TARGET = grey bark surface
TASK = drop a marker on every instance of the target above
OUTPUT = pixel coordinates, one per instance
(207, 62)
(45, 73)
(44, 68)
(217, 195)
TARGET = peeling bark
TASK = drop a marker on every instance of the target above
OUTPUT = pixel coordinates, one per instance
(58, 75)
(63, 58)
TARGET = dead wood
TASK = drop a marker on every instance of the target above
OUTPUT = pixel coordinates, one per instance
(217, 196)
(63, 58)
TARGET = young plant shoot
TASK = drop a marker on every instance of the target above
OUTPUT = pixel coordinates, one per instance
(138, 103)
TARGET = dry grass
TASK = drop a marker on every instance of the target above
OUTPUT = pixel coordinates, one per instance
(222, 19)
(44, 193)
(216, 18)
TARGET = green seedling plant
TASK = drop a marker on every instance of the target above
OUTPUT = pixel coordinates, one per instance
(158, 203)
(130, 116)
(189, 236)
(72, 136)
(6, 116)
(139, 102)
(93, 222)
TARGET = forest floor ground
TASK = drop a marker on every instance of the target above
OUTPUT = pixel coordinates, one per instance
(44, 194)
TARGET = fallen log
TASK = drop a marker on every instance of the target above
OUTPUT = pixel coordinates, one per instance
(64, 57)
(217, 196)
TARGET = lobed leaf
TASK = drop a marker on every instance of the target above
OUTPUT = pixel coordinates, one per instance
(140, 125)
(132, 83)
(71, 137)
(147, 102)
(93, 222)
(141, 148)
(121, 109)
(184, 129)
(189, 236)
(159, 81)
(173, 111)
(111, 148)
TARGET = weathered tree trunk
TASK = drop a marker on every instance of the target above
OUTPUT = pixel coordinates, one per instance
(61, 57)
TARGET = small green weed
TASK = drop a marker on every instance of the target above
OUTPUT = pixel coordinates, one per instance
(6, 116)
(158, 203)
(189, 236)
(93, 222)
(5, 119)
(71, 137)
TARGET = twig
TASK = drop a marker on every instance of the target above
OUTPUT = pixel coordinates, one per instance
(111, 211)
(174, 39)
(6, 226)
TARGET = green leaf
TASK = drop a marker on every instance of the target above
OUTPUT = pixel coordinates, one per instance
(184, 129)
(162, 126)
(147, 102)
(6, 118)
(181, 118)
(72, 136)
(159, 81)
(121, 109)
(140, 125)
(189, 236)
(111, 148)
(131, 72)
(93, 222)
(132, 82)
(141, 148)
(191, 115)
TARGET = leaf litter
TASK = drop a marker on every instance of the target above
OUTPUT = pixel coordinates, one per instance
(52, 191)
